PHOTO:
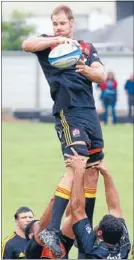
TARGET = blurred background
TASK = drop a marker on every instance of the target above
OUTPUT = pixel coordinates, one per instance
(32, 162)
(108, 25)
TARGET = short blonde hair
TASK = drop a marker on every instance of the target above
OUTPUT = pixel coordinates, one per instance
(63, 8)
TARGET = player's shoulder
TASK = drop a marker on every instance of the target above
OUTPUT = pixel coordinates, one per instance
(122, 220)
(89, 51)
(10, 238)
(9, 241)
(99, 250)
(125, 240)
(85, 44)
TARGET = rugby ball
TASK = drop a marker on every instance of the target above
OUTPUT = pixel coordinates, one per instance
(64, 55)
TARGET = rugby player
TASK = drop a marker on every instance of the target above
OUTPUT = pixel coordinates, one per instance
(76, 119)
(110, 239)
(35, 248)
(13, 246)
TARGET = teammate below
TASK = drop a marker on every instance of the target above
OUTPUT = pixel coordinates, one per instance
(13, 247)
(110, 239)
(35, 248)
(76, 119)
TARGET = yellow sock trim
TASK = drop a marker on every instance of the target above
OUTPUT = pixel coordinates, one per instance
(62, 192)
(90, 192)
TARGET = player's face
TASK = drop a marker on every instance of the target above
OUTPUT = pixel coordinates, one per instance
(110, 76)
(24, 219)
(62, 26)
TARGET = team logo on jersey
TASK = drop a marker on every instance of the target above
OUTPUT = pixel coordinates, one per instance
(95, 55)
(76, 132)
(88, 229)
(21, 255)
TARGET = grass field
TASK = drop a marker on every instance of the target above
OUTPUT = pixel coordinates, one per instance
(32, 165)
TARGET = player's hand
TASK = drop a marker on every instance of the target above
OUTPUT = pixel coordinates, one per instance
(102, 168)
(81, 67)
(76, 162)
(61, 40)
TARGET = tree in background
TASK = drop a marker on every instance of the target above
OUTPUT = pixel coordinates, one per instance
(15, 30)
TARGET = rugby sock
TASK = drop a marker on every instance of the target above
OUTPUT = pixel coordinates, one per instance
(90, 196)
(62, 196)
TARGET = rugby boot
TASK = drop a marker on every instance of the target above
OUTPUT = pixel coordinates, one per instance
(51, 239)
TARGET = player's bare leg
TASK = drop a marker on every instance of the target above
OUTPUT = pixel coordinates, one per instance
(90, 189)
(50, 236)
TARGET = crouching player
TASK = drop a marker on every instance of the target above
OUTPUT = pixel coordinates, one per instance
(35, 248)
(110, 239)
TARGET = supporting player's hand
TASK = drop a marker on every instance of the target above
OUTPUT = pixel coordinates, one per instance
(76, 162)
(61, 40)
(102, 168)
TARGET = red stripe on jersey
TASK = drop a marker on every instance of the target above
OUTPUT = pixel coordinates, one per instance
(86, 48)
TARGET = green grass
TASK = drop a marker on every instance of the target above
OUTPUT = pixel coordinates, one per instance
(32, 165)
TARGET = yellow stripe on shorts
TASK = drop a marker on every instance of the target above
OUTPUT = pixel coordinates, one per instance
(65, 128)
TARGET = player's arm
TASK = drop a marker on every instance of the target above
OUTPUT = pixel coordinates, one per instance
(94, 70)
(67, 223)
(46, 216)
(35, 44)
(77, 196)
(111, 193)
(44, 221)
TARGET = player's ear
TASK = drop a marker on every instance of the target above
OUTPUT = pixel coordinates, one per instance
(72, 22)
(99, 233)
(17, 222)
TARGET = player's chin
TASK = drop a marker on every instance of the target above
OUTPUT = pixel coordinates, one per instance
(25, 226)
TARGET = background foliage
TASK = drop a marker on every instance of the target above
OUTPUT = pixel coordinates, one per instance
(15, 30)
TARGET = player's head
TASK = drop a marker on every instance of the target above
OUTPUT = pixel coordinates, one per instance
(23, 216)
(110, 75)
(30, 229)
(110, 229)
(63, 20)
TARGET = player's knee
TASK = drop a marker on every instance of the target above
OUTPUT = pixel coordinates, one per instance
(91, 176)
(80, 148)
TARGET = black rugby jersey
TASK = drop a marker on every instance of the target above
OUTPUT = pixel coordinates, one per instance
(67, 87)
(102, 250)
(13, 247)
(98, 249)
